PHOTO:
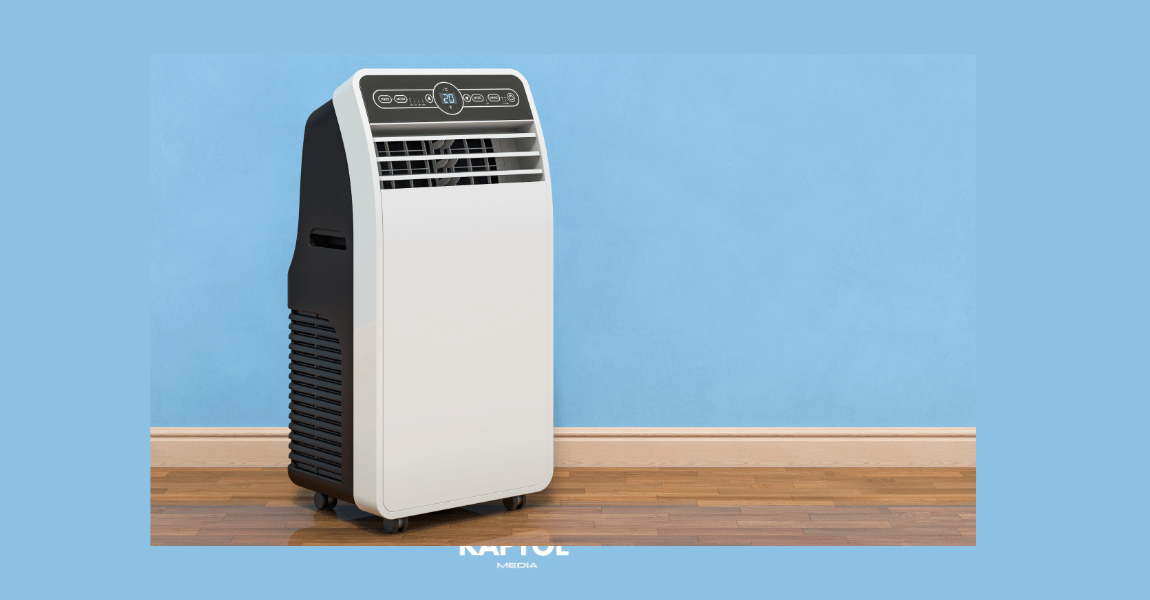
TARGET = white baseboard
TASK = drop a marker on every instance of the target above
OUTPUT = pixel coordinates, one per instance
(636, 447)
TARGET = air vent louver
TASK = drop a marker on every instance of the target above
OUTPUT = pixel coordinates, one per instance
(463, 159)
(316, 398)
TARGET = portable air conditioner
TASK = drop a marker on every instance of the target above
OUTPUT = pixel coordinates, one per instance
(420, 294)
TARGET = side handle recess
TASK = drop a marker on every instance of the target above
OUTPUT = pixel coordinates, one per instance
(326, 238)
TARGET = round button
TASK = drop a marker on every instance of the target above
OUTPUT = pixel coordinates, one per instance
(511, 97)
(428, 98)
(448, 98)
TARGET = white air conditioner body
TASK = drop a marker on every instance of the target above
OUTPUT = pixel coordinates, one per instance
(451, 328)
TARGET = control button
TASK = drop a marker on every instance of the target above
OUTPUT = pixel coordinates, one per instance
(511, 97)
(428, 99)
(400, 99)
(493, 97)
(383, 99)
(467, 97)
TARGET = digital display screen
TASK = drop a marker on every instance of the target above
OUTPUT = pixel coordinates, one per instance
(448, 98)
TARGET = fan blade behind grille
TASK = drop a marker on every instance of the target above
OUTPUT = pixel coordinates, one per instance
(466, 159)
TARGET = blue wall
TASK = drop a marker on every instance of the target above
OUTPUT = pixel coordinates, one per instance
(740, 241)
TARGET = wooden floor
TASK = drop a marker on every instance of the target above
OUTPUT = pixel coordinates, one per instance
(591, 507)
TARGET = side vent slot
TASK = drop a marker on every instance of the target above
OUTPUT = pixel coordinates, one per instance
(460, 159)
(316, 396)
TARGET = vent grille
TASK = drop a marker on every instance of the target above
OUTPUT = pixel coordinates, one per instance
(464, 159)
(316, 397)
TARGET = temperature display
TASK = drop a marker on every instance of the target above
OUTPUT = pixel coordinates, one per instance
(448, 98)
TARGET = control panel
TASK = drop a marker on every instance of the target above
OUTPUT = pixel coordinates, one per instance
(430, 98)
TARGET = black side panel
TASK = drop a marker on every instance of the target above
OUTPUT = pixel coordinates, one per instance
(319, 283)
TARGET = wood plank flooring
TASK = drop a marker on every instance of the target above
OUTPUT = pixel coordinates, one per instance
(592, 507)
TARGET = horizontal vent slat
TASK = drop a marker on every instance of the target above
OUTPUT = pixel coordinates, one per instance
(312, 470)
(316, 408)
(318, 443)
(334, 357)
(313, 421)
(316, 357)
(315, 402)
(304, 428)
(460, 174)
(323, 384)
(461, 155)
(455, 136)
(333, 367)
(315, 413)
(310, 460)
(314, 451)
(320, 323)
(321, 343)
(329, 428)
(305, 373)
(308, 390)
(317, 332)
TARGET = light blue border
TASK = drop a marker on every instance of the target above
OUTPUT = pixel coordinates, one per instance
(1062, 295)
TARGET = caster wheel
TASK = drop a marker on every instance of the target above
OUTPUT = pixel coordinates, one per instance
(515, 502)
(395, 525)
(323, 501)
